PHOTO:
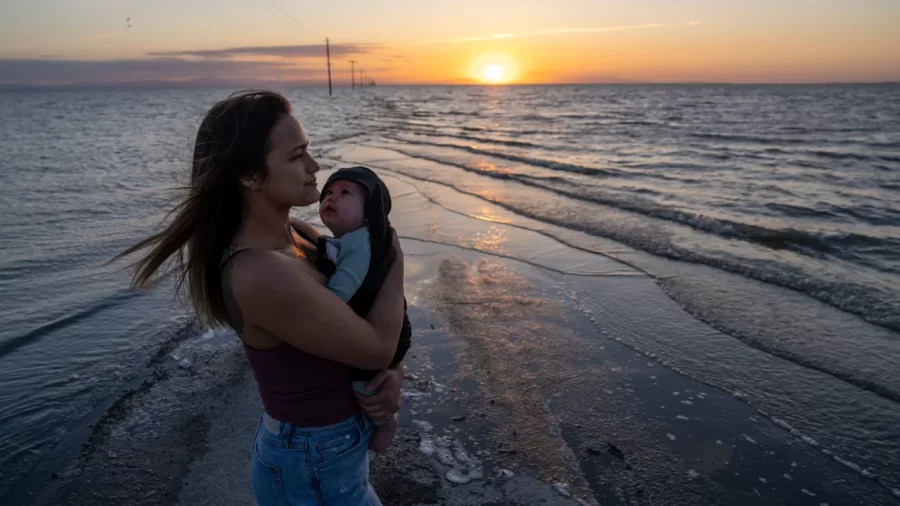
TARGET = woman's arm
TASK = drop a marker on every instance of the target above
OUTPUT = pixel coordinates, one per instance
(279, 295)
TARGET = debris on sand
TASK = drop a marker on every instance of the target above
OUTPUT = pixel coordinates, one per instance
(563, 489)
(463, 475)
(445, 456)
(62, 475)
(615, 451)
(427, 447)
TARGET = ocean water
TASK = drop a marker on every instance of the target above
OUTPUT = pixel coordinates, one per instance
(785, 190)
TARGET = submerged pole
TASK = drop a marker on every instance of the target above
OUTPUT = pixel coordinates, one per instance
(328, 57)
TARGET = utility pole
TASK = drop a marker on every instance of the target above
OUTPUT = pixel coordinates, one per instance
(328, 57)
(352, 74)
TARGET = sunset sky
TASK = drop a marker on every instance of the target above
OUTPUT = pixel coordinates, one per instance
(464, 41)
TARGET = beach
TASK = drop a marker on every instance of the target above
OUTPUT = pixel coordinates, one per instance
(516, 393)
(566, 350)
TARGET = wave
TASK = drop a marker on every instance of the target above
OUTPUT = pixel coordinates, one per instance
(746, 138)
(511, 131)
(474, 114)
(342, 137)
(867, 302)
(793, 210)
(759, 139)
(843, 155)
(831, 243)
(850, 375)
(489, 140)
(801, 241)
(548, 164)
(832, 155)
(40, 331)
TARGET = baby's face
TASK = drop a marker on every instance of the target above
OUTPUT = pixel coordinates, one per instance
(343, 208)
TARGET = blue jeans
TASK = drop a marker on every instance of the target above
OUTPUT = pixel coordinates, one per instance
(299, 466)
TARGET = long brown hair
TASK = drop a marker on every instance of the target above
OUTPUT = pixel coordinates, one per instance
(232, 143)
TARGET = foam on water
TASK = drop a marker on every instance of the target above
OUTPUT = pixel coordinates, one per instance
(856, 467)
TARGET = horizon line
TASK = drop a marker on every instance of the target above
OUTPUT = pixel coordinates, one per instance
(87, 86)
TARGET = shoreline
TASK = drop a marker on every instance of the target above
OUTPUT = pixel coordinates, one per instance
(552, 356)
(551, 407)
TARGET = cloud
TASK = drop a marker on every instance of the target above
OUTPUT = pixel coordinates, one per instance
(218, 65)
(300, 51)
(552, 31)
(65, 71)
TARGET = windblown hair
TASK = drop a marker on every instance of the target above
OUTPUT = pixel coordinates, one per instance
(231, 145)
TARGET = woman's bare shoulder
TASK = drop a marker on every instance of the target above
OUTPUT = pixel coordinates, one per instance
(261, 269)
(262, 281)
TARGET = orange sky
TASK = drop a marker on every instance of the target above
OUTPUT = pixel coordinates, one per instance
(408, 41)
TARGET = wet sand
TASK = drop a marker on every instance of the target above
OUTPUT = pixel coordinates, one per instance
(519, 391)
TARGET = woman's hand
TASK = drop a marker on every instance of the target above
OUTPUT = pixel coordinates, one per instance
(388, 383)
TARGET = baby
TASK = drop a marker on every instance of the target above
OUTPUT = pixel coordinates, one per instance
(354, 205)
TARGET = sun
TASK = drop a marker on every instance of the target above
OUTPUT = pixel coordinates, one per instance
(494, 68)
(493, 73)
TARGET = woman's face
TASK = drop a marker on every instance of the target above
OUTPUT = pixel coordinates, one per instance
(291, 171)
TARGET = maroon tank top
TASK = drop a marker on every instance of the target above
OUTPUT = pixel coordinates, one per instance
(302, 389)
(295, 387)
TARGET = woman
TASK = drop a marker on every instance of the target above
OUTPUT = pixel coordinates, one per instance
(248, 268)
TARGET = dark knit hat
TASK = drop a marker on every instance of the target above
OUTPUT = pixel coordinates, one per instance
(372, 183)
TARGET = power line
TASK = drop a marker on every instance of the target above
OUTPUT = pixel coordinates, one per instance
(275, 4)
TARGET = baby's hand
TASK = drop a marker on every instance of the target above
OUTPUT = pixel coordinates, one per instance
(388, 383)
